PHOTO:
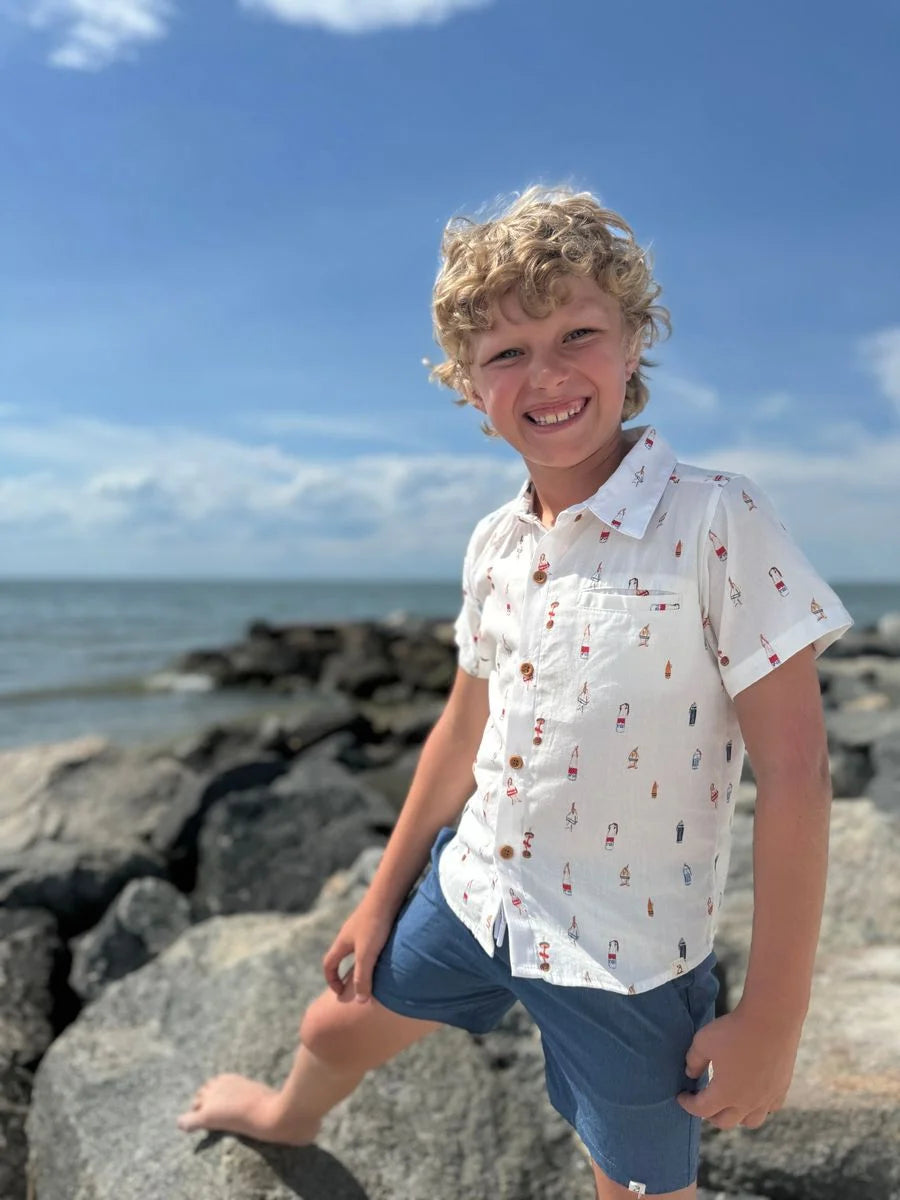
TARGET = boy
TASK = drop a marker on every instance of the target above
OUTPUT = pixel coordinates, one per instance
(629, 623)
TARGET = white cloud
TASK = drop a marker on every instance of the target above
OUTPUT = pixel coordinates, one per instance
(696, 395)
(880, 353)
(92, 34)
(360, 16)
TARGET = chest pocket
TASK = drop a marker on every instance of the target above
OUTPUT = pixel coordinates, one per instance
(665, 605)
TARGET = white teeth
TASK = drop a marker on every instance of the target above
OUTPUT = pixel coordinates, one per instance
(556, 418)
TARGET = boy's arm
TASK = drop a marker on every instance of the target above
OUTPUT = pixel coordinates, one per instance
(441, 785)
(753, 1048)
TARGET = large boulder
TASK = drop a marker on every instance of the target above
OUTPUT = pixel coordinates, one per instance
(273, 848)
(147, 916)
(444, 1119)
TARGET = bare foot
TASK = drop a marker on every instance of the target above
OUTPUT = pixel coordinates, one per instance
(235, 1104)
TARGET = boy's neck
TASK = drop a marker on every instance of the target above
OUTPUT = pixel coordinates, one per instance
(557, 489)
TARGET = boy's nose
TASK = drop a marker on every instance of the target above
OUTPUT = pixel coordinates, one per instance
(548, 371)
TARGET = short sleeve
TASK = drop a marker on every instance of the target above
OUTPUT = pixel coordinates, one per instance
(476, 648)
(763, 600)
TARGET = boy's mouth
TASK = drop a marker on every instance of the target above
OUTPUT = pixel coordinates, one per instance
(552, 416)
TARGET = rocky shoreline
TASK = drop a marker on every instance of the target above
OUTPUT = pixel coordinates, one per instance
(164, 911)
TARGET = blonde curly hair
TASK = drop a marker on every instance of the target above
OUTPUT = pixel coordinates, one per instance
(545, 235)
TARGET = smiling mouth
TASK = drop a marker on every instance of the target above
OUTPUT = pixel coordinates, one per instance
(560, 417)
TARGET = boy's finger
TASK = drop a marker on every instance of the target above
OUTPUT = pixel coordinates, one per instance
(362, 981)
(695, 1062)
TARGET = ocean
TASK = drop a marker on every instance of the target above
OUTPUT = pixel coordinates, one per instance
(79, 657)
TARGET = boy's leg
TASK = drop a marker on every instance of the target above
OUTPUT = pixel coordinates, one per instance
(608, 1189)
(340, 1041)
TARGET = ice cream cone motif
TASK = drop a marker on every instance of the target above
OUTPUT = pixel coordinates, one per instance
(748, 500)
(544, 956)
(572, 817)
(617, 519)
(773, 658)
(679, 546)
(644, 635)
(649, 437)
(654, 791)
(611, 830)
(584, 698)
(624, 710)
(598, 573)
(633, 759)
(639, 477)
(778, 579)
(586, 641)
(649, 907)
(695, 759)
(817, 610)
(668, 670)
(612, 954)
(572, 774)
(567, 880)
(721, 552)
(573, 930)
(517, 904)
(511, 790)
(734, 592)
(714, 795)
(624, 877)
(526, 843)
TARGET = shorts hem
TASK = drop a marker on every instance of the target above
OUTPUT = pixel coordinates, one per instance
(403, 1008)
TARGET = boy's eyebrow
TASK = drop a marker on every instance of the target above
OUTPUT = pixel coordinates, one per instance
(573, 314)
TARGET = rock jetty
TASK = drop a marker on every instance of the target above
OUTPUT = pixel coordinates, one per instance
(164, 911)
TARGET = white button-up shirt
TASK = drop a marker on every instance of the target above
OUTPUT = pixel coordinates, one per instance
(599, 831)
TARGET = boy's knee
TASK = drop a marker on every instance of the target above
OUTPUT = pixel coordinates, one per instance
(326, 1029)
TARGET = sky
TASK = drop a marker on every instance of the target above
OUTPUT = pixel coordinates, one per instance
(219, 230)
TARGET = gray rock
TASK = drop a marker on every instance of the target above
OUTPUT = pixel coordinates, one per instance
(884, 787)
(75, 821)
(888, 626)
(851, 770)
(271, 849)
(147, 916)
(852, 729)
(838, 1132)
(862, 895)
(15, 1093)
(228, 996)
(393, 779)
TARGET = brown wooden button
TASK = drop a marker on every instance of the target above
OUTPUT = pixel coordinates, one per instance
(506, 852)
(578, 516)
(527, 669)
(540, 577)
(516, 761)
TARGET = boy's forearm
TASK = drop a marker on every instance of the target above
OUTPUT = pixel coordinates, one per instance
(790, 862)
(442, 783)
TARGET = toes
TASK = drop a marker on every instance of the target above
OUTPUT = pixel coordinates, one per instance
(189, 1121)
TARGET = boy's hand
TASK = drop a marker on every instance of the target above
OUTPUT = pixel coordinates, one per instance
(753, 1062)
(363, 935)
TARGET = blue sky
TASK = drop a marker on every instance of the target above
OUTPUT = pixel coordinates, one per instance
(219, 227)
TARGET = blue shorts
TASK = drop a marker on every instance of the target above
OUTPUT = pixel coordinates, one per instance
(614, 1063)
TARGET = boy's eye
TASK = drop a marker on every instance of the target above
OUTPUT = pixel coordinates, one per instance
(502, 356)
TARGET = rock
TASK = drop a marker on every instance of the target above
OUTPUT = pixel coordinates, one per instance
(853, 729)
(838, 1132)
(271, 849)
(884, 787)
(228, 996)
(30, 952)
(147, 916)
(851, 770)
(888, 627)
(392, 779)
(75, 823)
(862, 895)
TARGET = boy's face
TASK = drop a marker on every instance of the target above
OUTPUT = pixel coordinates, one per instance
(525, 370)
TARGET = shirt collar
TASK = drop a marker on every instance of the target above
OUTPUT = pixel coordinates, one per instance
(629, 497)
